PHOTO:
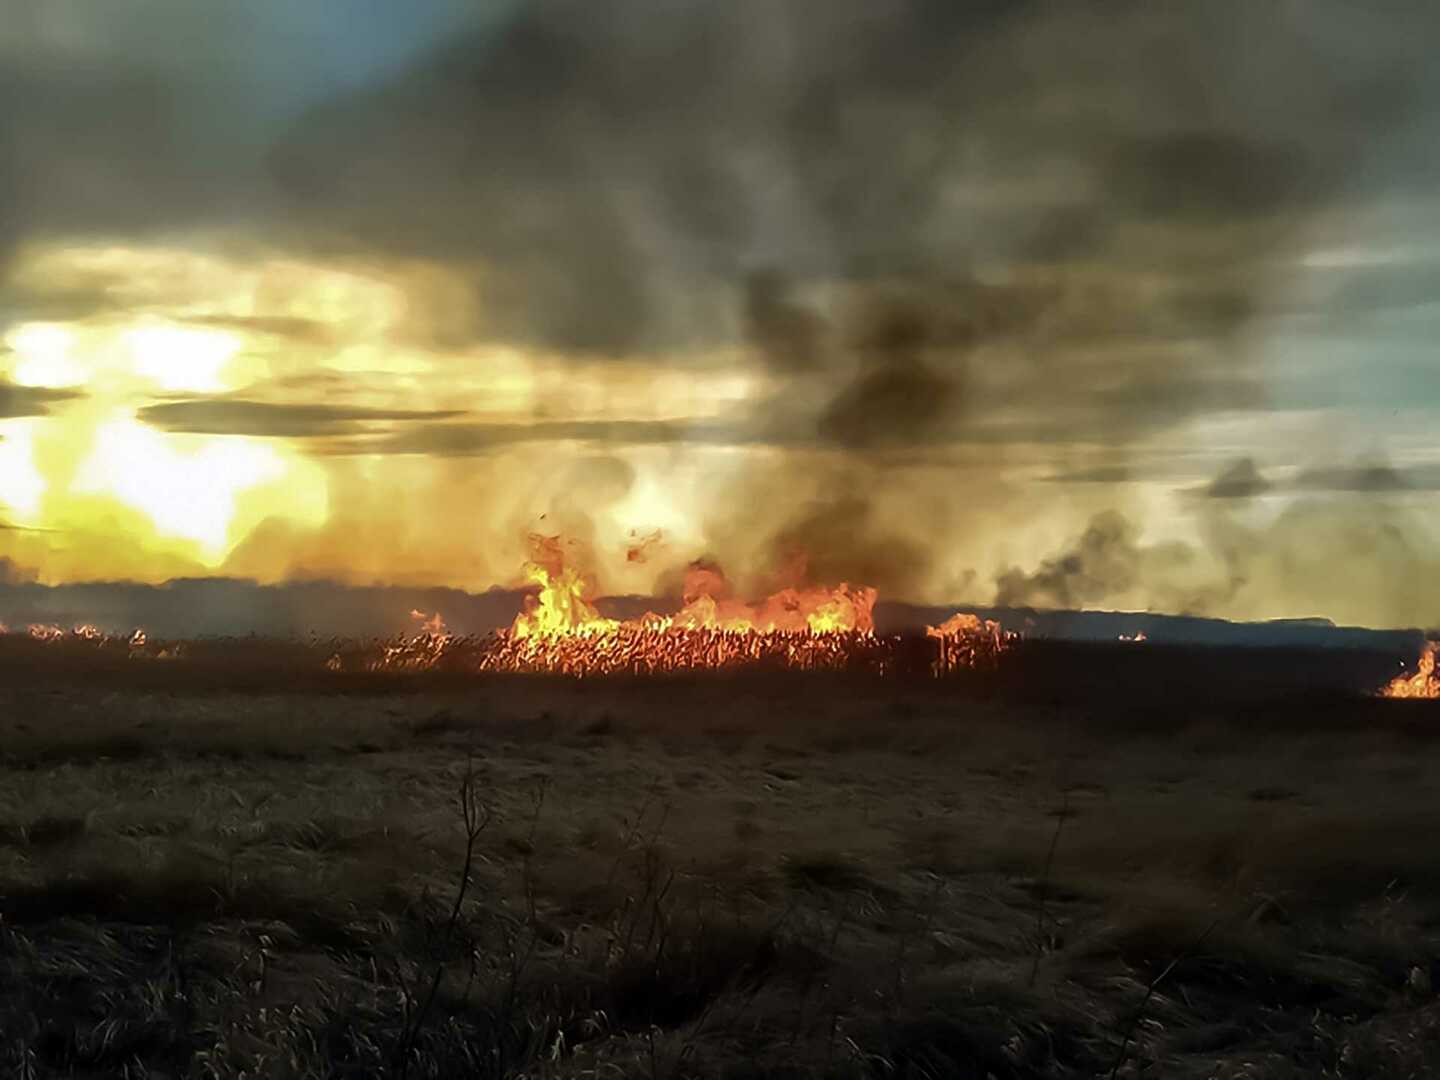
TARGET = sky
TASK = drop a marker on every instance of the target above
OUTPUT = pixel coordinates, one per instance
(1126, 306)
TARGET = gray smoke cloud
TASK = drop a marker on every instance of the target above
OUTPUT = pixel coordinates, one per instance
(1347, 555)
(946, 230)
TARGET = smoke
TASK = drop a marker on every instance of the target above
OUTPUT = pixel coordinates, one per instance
(1241, 480)
(952, 246)
(1355, 557)
(943, 230)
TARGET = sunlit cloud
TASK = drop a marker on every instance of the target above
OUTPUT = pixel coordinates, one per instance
(21, 484)
(182, 358)
(43, 356)
(191, 490)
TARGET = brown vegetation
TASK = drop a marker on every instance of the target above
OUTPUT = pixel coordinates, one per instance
(714, 877)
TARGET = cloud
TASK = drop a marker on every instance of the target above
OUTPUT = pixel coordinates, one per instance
(21, 401)
(290, 328)
(234, 416)
(915, 229)
(1098, 474)
(1242, 480)
(1371, 479)
(463, 440)
(1286, 567)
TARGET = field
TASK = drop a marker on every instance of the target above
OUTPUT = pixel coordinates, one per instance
(1101, 861)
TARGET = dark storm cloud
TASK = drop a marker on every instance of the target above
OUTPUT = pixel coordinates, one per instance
(21, 401)
(1242, 480)
(465, 440)
(935, 223)
(233, 416)
(637, 177)
(88, 148)
(623, 177)
(1213, 176)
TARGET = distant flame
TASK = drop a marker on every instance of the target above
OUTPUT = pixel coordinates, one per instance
(561, 631)
(966, 641)
(429, 624)
(1423, 684)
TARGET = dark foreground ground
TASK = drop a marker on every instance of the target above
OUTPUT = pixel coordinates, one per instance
(1099, 862)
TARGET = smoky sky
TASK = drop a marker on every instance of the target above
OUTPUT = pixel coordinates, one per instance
(932, 224)
(867, 193)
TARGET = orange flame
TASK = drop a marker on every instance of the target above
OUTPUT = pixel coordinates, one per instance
(966, 641)
(561, 631)
(429, 624)
(1423, 684)
(561, 607)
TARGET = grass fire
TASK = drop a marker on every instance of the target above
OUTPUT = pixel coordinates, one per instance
(561, 632)
(711, 540)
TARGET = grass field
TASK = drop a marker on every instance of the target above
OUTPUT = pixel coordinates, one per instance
(713, 877)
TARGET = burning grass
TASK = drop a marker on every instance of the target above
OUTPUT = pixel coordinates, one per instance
(1425, 683)
(561, 632)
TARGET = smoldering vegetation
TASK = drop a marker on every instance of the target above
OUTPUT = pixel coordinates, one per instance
(705, 879)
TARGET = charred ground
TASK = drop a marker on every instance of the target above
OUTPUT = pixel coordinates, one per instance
(1099, 859)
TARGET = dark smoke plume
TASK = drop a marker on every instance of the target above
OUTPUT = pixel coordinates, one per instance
(950, 236)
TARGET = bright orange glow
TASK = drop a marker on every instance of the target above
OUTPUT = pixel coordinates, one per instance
(561, 631)
(191, 490)
(560, 608)
(1424, 683)
(181, 358)
(967, 641)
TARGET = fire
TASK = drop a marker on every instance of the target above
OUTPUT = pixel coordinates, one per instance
(560, 608)
(1423, 684)
(429, 624)
(137, 644)
(1134, 639)
(561, 631)
(966, 641)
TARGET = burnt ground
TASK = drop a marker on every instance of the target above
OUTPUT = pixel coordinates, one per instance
(1103, 860)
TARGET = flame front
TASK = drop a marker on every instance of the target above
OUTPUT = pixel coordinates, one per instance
(561, 631)
(560, 608)
(1423, 684)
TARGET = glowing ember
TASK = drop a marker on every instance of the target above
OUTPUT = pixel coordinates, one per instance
(1423, 684)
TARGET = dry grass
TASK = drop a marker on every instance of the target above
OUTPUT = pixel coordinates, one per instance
(698, 879)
